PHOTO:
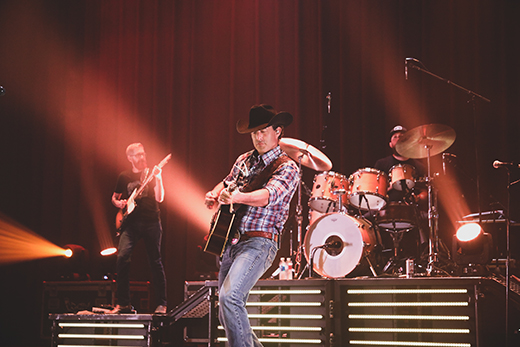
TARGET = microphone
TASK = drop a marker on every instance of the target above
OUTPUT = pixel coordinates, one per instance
(448, 155)
(447, 158)
(332, 244)
(412, 60)
(497, 164)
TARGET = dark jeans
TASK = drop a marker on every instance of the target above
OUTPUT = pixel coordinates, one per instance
(151, 233)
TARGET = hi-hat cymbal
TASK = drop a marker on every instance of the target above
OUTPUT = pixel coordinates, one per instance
(415, 143)
(309, 155)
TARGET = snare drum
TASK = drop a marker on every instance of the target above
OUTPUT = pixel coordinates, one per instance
(353, 237)
(397, 216)
(402, 174)
(324, 189)
(367, 189)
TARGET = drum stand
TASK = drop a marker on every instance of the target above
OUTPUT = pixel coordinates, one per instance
(397, 235)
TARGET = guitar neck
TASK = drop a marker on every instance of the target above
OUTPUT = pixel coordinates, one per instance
(151, 176)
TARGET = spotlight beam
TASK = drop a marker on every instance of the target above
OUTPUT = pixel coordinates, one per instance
(18, 244)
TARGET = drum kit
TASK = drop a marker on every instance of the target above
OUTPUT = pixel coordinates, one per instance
(341, 236)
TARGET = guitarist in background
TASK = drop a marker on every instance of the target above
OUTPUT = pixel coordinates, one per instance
(143, 223)
(266, 180)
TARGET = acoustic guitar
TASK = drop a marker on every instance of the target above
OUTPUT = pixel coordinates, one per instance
(221, 226)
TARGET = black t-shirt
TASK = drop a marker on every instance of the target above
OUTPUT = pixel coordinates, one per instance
(147, 208)
(387, 163)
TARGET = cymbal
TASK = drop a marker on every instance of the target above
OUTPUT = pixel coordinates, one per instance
(416, 142)
(309, 155)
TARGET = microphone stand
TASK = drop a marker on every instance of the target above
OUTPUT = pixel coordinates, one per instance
(508, 249)
(474, 111)
(324, 127)
(412, 62)
(311, 260)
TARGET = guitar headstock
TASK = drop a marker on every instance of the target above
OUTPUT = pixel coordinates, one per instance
(164, 161)
(159, 166)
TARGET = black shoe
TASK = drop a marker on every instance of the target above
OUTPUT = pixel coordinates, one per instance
(161, 309)
(123, 309)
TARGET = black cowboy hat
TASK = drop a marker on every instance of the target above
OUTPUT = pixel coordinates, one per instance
(262, 116)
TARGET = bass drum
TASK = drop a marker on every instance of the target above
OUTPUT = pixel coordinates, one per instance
(313, 217)
(349, 238)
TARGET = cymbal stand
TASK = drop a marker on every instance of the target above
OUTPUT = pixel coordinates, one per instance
(299, 219)
(433, 241)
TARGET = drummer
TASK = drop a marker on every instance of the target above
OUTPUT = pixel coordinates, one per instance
(417, 197)
(387, 163)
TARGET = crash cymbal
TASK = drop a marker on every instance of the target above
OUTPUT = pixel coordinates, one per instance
(416, 142)
(310, 156)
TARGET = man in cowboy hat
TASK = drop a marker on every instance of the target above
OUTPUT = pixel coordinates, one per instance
(266, 180)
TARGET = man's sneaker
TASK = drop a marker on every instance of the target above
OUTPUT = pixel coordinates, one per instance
(161, 309)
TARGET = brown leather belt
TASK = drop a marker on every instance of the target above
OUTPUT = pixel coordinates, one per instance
(248, 234)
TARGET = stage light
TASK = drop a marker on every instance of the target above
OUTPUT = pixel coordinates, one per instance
(76, 265)
(108, 251)
(471, 246)
(468, 232)
(75, 251)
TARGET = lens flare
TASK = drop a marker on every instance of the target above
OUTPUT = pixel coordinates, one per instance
(18, 244)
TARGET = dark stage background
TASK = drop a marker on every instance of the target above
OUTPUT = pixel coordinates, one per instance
(84, 79)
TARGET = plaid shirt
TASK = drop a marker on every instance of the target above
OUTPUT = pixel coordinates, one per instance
(281, 187)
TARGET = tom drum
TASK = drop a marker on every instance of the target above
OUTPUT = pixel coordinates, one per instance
(367, 189)
(400, 175)
(324, 188)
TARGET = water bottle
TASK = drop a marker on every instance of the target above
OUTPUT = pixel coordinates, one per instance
(289, 269)
(283, 268)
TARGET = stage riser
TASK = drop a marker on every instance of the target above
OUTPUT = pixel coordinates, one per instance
(340, 313)
(105, 330)
(73, 296)
(456, 312)
(395, 317)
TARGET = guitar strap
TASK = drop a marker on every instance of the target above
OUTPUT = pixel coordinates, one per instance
(263, 177)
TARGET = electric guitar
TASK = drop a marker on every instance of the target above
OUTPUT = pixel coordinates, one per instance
(131, 204)
(221, 226)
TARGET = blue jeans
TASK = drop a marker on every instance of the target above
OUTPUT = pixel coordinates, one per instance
(151, 233)
(242, 266)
